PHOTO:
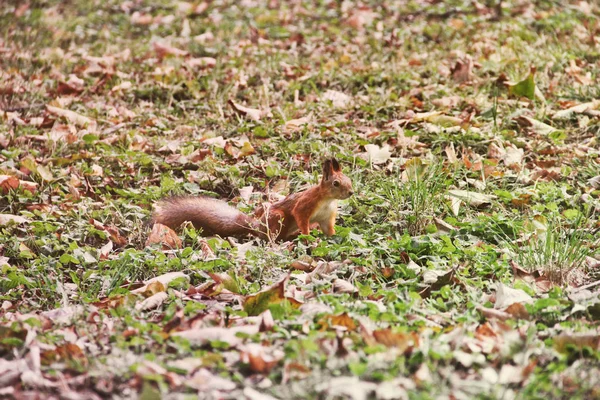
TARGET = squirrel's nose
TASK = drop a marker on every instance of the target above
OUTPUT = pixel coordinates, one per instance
(350, 193)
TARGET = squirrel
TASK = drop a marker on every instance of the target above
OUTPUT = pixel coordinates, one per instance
(297, 212)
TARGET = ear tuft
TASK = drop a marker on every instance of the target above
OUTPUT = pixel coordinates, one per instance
(335, 165)
(327, 169)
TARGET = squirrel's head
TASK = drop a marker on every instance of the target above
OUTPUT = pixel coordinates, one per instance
(338, 184)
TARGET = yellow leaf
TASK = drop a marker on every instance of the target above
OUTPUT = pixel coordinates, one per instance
(257, 303)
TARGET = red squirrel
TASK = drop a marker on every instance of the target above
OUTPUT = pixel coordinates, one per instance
(280, 221)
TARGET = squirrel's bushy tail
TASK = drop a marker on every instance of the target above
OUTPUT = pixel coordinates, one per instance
(214, 217)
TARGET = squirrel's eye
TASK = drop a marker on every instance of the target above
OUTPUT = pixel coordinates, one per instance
(336, 183)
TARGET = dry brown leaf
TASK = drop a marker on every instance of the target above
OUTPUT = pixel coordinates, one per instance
(377, 155)
(491, 313)
(577, 340)
(251, 113)
(463, 70)
(342, 286)
(73, 117)
(8, 218)
(340, 321)
(506, 296)
(202, 336)
(8, 183)
(260, 359)
(151, 302)
(338, 99)
(201, 62)
(405, 342)
(518, 311)
(294, 125)
(163, 279)
(167, 237)
(163, 50)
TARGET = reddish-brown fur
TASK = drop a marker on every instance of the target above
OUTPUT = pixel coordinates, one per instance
(280, 221)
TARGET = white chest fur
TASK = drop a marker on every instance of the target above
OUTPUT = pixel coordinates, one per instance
(324, 211)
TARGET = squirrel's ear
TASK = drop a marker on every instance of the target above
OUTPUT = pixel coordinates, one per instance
(327, 169)
(335, 165)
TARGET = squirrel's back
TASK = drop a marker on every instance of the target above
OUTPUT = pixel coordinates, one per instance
(214, 217)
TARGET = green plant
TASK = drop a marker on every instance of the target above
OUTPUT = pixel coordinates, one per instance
(418, 199)
(555, 245)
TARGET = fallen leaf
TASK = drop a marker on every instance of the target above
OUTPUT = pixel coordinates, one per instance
(537, 127)
(163, 50)
(251, 113)
(577, 340)
(583, 108)
(377, 155)
(338, 99)
(162, 234)
(342, 286)
(151, 302)
(205, 381)
(404, 342)
(524, 88)
(260, 359)
(472, 198)
(342, 320)
(294, 125)
(8, 183)
(165, 279)
(73, 117)
(201, 62)
(202, 336)
(513, 156)
(506, 296)
(463, 70)
(5, 219)
(257, 303)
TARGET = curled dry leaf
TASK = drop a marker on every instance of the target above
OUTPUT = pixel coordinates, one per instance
(377, 155)
(338, 99)
(463, 70)
(535, 126)
(165, 279)
(472, 198)
(9, 218)
(73, 117)
(338, 321)
(165, 236)
(260, 359)
(202, 336)
(586, 108)
(250, 113)
(201, 62)
(294, 125)
(506, 296)
(257, 303)
(8, 183)
(577, 340)
(491, 313)
(163, 50)
(151, 302)
(206, 382)
(342, 286)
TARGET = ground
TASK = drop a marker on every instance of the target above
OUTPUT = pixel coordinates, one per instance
(465, 265)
